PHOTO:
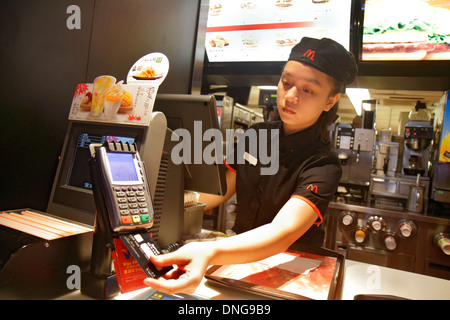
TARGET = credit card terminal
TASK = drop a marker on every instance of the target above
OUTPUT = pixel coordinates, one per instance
(122, 182)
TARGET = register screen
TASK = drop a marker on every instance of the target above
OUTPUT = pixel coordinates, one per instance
(122, 167)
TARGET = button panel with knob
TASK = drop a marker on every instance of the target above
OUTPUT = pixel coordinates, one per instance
(376, 223)
(406, 228)
(442, 241)
(360, 235)
(377, 231)
(348, 219)
(390, 238)
(389, 241)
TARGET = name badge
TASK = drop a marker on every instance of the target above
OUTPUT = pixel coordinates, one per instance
(251, 159)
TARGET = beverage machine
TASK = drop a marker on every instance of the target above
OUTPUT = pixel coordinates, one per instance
(418, 136)
(395, 228)
(354, 147)
(406, 186)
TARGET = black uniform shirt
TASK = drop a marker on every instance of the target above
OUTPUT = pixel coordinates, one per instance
(307, 169)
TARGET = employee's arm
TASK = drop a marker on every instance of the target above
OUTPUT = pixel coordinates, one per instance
(291, 222)
(212, 200)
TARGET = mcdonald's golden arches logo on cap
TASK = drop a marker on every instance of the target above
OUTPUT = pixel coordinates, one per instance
(310, 54)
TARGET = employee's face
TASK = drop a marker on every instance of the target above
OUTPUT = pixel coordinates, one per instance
(303, 94)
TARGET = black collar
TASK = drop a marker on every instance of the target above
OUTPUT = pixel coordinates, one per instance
(300, 140)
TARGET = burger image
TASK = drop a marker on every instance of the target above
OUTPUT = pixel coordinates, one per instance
(441, 33)
(404, 30)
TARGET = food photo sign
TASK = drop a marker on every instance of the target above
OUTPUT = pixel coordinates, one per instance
(266, 30)
(106, 100)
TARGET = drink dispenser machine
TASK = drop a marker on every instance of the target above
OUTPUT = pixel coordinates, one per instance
(418, 136)
(354, 147)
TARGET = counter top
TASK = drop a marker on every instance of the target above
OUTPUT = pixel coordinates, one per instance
(363, 278)
(359, 278)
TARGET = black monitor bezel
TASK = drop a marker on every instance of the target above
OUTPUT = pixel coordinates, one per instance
(421, 68)
(76, 199)
(206, 178)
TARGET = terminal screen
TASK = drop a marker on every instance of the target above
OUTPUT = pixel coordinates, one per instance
(122, 167)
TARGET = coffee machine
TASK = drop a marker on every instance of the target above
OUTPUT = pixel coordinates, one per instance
(355, 147)
(418, 135)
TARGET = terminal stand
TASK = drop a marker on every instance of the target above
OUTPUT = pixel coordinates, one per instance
(100, 281)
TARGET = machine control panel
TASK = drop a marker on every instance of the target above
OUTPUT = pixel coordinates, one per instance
(399, 240)
(364, 140)
(375, 231)
(376, 223)
(361, 235)
(348, 218)
(406, 228)
(419, 132)
(345, 138)
(355, 139)
(442, 241)
(389, 241)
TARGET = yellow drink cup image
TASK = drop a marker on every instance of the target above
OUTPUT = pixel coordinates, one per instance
(101, 84)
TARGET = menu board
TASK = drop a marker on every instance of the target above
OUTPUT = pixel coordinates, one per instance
(266, 30)
(408, 30)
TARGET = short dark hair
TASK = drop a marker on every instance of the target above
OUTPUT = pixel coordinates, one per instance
(328, 117)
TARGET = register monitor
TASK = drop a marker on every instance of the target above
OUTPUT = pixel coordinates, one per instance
(182, 111)
(71, 196)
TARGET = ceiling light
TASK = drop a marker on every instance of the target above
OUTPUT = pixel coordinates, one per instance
(267, 87)
(356, 96)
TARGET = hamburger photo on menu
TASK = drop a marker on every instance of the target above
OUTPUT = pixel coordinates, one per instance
(406, 30)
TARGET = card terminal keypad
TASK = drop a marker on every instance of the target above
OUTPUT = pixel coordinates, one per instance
(133, 205)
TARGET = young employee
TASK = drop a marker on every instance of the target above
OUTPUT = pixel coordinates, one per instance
(276, 210)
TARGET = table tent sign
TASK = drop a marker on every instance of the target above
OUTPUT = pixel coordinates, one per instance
(130, 103)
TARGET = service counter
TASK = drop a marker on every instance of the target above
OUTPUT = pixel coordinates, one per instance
(359, 279)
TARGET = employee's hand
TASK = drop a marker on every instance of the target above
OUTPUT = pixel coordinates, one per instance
(190, 261)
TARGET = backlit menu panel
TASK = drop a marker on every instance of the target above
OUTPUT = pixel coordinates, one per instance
(266, 30)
